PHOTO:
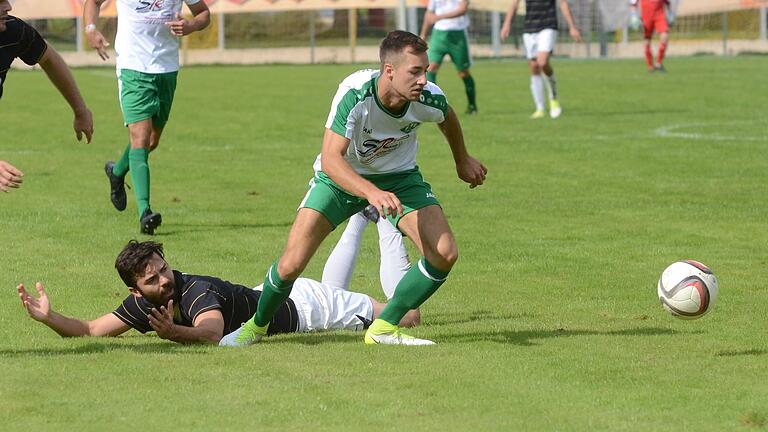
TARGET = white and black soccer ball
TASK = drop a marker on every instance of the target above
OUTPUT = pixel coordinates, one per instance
(687, 289)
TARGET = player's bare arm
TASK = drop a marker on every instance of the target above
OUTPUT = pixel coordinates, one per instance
(201, 17)
(575, 33)
(208, 326)
(333, 163)
(468, 168)
(62, 78)
(429, 21)
(95, 39)
(39, 309)
(505, 28)
(10, 177)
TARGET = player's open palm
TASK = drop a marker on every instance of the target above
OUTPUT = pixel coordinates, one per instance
(472, 171)
(386, 203)
(37, 308)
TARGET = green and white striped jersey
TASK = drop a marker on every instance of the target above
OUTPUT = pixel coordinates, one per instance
(381, 142)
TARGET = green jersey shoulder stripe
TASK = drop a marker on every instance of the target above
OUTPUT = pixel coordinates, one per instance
(433, 97)
(359, 86)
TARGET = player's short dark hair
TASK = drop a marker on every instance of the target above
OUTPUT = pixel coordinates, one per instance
(133, 260)
(397, 41)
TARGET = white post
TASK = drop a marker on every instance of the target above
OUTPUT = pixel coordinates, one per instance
(413, 20)
(79, 33)
(401, 24)
(763, 23)
(495, 33)
(221, 35)
(312, 39)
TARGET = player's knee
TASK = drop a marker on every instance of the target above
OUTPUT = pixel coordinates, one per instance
(463, 74)
(446, 256)
(289, 269)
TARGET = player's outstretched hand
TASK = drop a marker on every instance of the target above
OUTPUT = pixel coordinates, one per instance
(386, 203)
(10, 176)
(37, 308)
(179, 27)
(472, 171)
(97, 41)
(575, 34)
(504, 33)
(83, 125)
(161, 321)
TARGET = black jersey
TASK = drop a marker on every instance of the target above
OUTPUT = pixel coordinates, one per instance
(540, 15)
(19, 40)
(197, 294)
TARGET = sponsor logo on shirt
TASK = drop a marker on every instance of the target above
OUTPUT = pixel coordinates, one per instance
(373, 149)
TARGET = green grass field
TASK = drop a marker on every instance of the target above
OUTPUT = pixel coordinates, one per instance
(549, 321)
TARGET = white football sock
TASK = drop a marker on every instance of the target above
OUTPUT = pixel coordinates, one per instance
(537, 90)
(394, 256)
(338, 268)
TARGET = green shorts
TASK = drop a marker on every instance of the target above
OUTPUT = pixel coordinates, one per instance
(453, 43)
(337, 205)
(146, 96)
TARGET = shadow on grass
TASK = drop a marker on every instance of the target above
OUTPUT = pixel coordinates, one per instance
(106, 347)
(749, 352)
(197, 227)
(477, 315)
(527, 337)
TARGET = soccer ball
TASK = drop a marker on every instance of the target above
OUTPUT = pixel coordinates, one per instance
(687, 289)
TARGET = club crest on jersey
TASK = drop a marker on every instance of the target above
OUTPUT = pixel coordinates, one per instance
(373, 149)
(411, 126)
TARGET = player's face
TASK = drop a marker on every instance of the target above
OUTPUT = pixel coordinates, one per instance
(5, 7)
(157, 283)
(409, 74)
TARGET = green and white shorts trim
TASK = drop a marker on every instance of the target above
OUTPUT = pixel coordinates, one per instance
(337, 205)
(454, 43)
(146, 96)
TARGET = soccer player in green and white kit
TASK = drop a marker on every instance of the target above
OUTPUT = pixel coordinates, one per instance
(369, 156)
(147, 58)
(449, 21)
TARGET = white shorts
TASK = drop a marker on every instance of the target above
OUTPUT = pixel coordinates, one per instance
(543, 41)
(322, 307)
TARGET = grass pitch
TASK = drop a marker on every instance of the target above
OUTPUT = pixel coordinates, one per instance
(549, 321)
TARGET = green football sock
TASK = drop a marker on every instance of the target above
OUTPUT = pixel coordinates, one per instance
(139, 166)
(274, 293)
(432, 77)
(418, 284)
(121, 166)
(469, 86)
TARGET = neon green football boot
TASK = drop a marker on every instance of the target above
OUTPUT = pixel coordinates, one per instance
(384, 333)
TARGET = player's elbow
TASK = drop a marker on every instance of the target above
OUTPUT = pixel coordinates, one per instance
(411, 319)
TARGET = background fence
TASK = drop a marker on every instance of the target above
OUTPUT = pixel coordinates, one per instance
(319, 34)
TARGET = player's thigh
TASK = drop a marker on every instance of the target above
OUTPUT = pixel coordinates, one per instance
(138, 95)
(328, 199)
(459, 51)
(438, 46)
(660, 24)
(530, 43)
(165, 84)
(308, 231)
(429, 230)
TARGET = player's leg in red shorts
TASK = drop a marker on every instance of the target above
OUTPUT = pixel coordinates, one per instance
(661, 26)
